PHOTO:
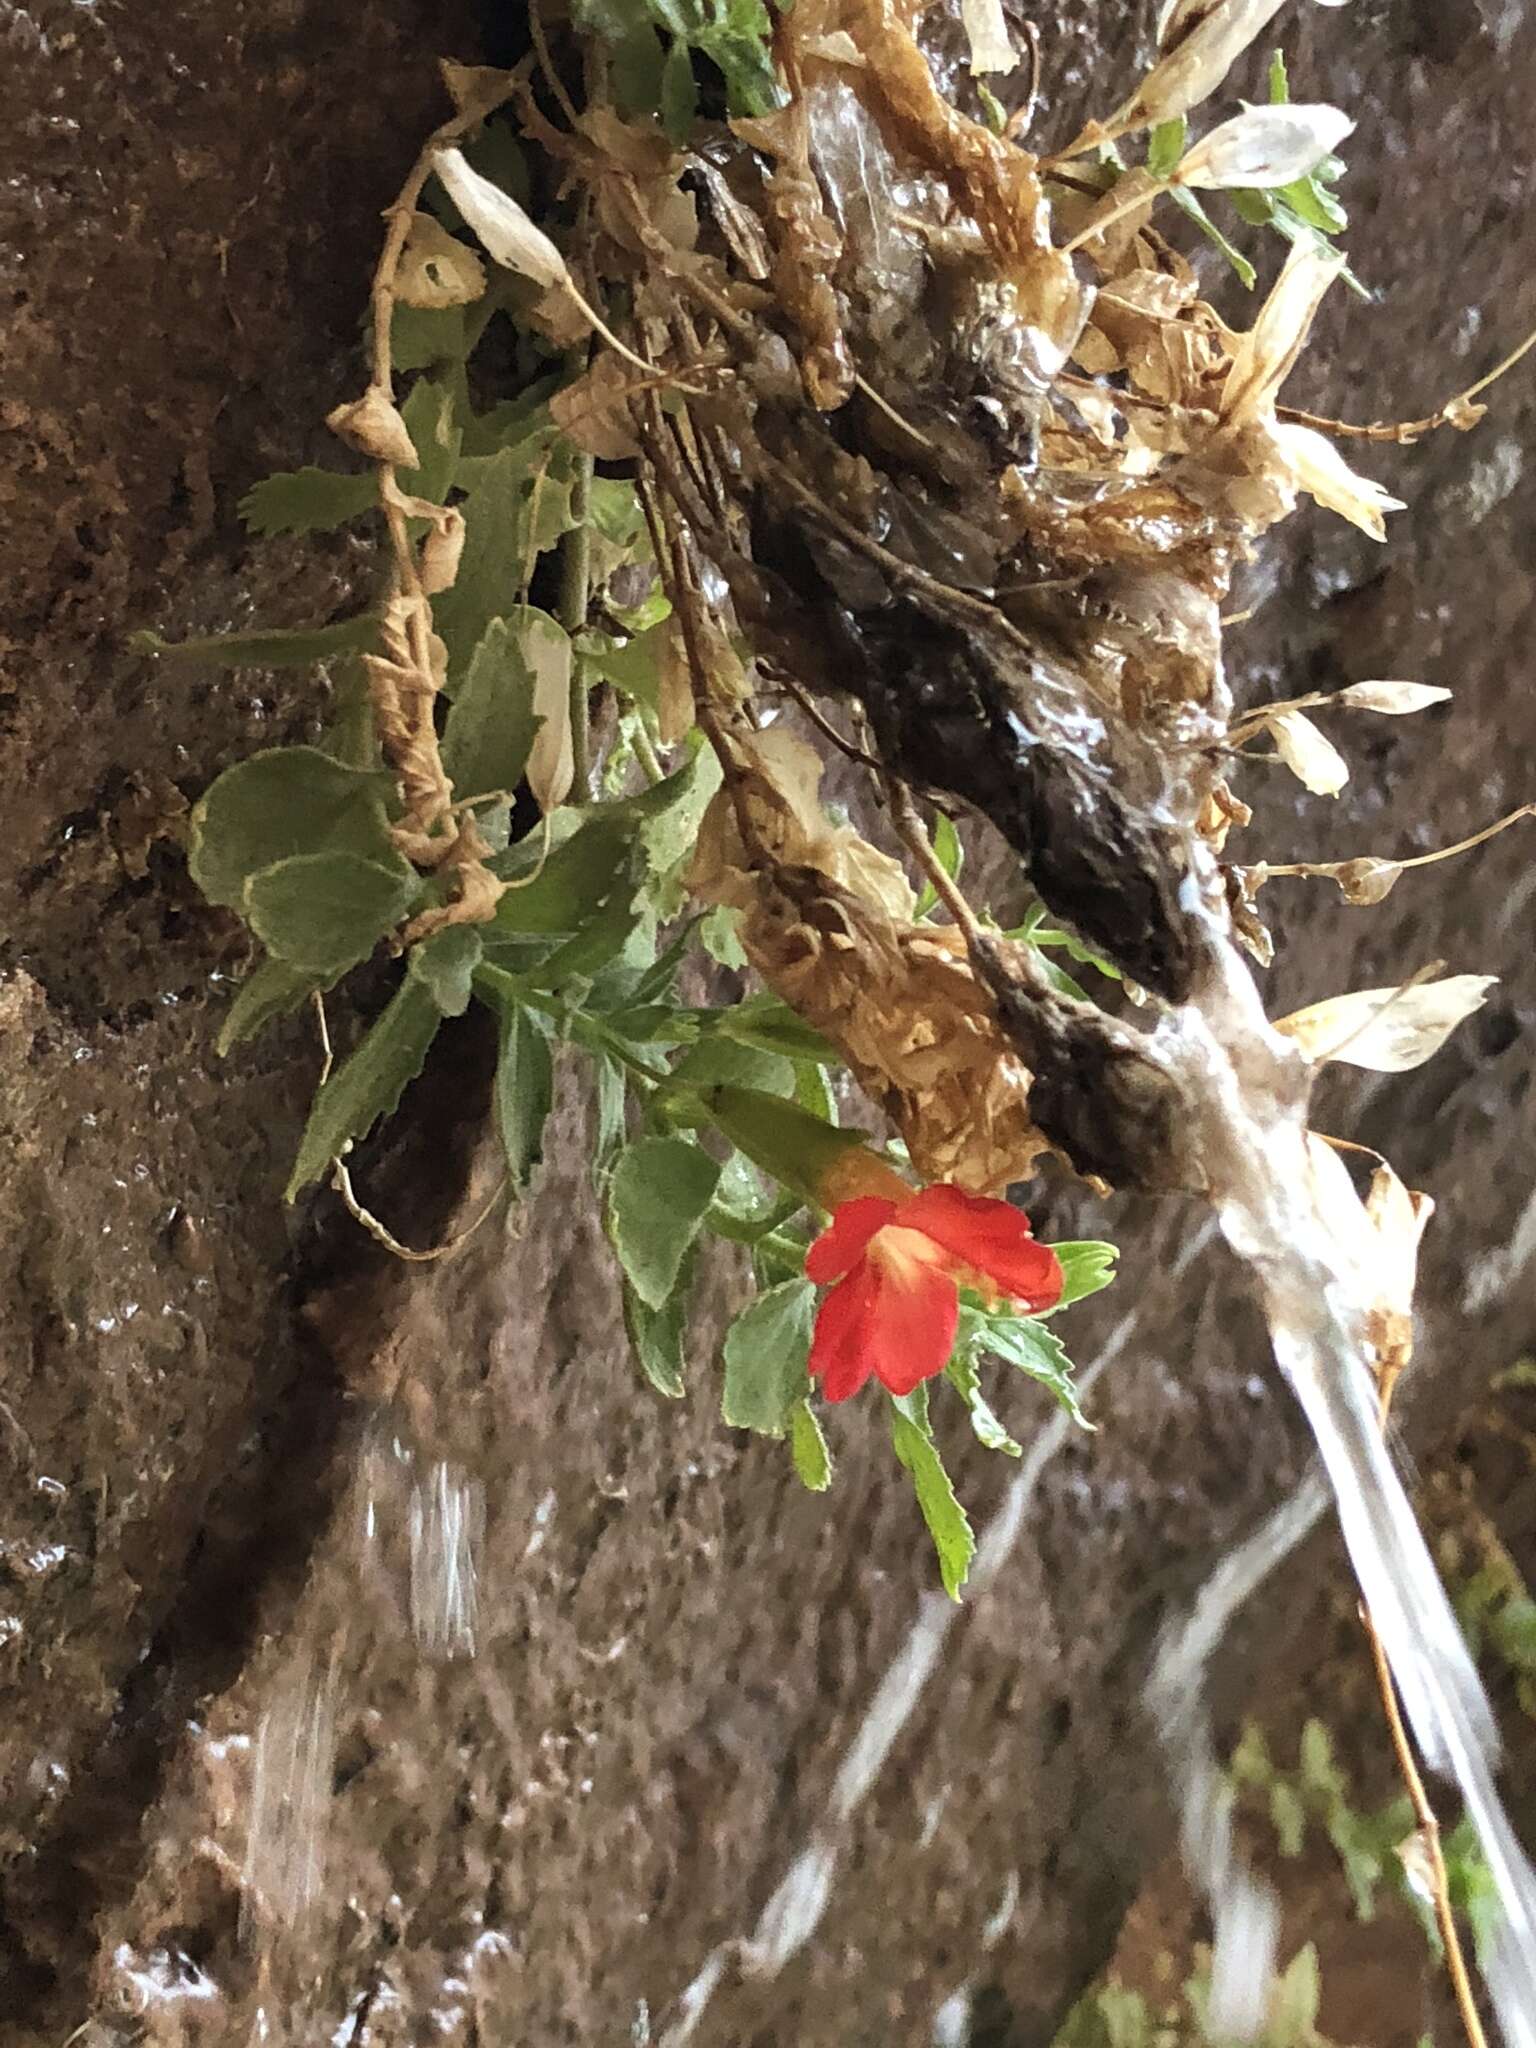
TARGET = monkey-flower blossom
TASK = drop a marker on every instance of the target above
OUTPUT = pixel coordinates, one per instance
(895, 1263)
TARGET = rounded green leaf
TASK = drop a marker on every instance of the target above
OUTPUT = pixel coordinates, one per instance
(658, 1195)
(279, 804)
(323, 912)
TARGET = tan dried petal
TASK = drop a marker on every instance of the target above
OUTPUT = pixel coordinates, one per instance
(1389, 1030)
(1311, 757)
(1265, 354)
(1318, 467)
(1395, 699)
(987, 32)
(474, 85)
(593, 410)
(373, 426)
(546, 648)
(1197, 62)
(442, 551)
(436, 269)
(1366, 880)
(674, 691)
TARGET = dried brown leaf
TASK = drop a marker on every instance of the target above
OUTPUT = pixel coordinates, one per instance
(1395, 699)
(373, 426)
(436, 269)
(1389, 1030)
(594, 410)
(442, 550)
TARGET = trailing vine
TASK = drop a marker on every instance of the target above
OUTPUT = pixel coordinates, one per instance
(821, 423)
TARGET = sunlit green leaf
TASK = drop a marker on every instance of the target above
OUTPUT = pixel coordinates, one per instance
(947, 1522)
(808, 1448)
(766, 1349)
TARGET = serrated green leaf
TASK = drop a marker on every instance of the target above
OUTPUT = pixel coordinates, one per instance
(962, 1376)
(1184, 198)
(273, 989)
(1024, 1341)
(277, 805)
(765, 1355)
(299, 648)
(656, 1337)
(1165, 146)
(573, 882)
(525, 1083)
(808, 1448)
(308, 501)
(610, 1090)
(1087, 1266)
(670, 814)
(368, 1083)
(324, 912)
(491, 721)
(421, 337)
(446, 963)
(613, 507)
(950, 855)
(947, 1522)
(633, 665)
(509, 515)
(1314, 205)
(814, 1092)
(658, 1196)
(766, 1022)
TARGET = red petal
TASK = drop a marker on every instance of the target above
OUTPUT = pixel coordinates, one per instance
(840, 1343)
(841, 1245)
(992, 1238)
(913, 1327)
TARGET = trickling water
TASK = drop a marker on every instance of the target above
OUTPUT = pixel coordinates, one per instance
(290, 1792)
(447, 1532)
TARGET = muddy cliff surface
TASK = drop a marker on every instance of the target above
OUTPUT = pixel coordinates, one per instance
(240, 1771)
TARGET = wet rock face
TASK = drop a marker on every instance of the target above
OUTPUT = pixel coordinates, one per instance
(674, 1646)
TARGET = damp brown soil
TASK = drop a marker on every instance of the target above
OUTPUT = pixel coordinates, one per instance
(544, 1842)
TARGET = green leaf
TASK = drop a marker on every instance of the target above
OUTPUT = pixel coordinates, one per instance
(658, 1195)
(1183, 197)
(274, 989)
(1279, 84)
(368, 1083)
(491, 722)
(279, 804)
(1288, 1817)
(656, 1336)
(431, 421)
(576, 879)
(1024, 1341)
(1165, 146)
(299, 648)
(808, 1448)
(1314, 205)
(962, 1376)
(679, 94)
(613, 507)
(324, 912)
(772, 1026)
(950, 855)
(422, 336)
(948, 1525)
(670, 814)
(500, 541)
(1086, 1267)
(715, 1059)
(720, 936)
(525, 1085)
(766, 1349)
(633, 665)
(308, 501)
(446, 962)
(610, 1090)
(348, 735)
(993, 112)
(786, 1141)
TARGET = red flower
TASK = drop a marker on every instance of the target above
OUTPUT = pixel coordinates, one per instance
(898, 1265)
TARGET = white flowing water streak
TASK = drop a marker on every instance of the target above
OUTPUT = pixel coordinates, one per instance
(290, 1794)
(1318, 1292)
(795, 1909)
(447, 1521)
(1244, 1912)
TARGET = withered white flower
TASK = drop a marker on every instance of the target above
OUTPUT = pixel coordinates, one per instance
(1265, 355)
(1263, 147)
(1395, 699)
(1389, 1030)
(501, 224)
(1318, 467)
(1311, 757)
(991, 48)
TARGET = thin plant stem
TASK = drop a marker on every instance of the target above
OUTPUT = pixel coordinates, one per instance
(575, 594)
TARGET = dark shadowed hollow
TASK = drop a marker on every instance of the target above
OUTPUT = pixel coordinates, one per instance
(543, 1844)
